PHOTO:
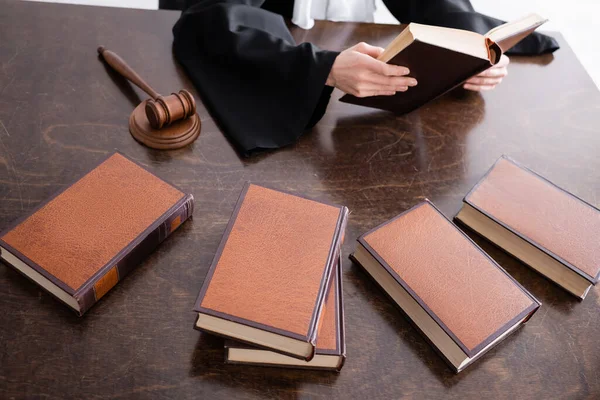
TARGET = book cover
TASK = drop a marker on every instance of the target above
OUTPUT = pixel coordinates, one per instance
(559, 225)
(330, 352)
(441, 59)
(437, 71)
(268, 279)
(81, 242)
(460, 299)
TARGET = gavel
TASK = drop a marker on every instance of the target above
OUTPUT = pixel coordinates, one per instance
(161, 111)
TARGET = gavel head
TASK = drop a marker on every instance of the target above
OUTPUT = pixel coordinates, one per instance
(167, 109)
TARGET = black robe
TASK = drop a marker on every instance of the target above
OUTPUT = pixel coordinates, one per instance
(262, 88)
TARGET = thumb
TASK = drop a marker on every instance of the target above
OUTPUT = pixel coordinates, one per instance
(369, 50)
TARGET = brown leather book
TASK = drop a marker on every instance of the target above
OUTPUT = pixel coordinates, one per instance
(539, 223)
(330, 353)
(81, 242)
(268, 280)
(441, 59)
(453, 292)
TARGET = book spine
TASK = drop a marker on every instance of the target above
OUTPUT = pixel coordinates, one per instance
(134, 254)
(335, 259)
(341, 318)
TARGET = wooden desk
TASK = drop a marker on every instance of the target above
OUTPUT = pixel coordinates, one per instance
(61, 112)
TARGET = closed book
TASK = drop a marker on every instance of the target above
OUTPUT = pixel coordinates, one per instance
(330, 353)
(270, 275)
(81, 242)
(442, 58)
(546, 227)
(453, 292)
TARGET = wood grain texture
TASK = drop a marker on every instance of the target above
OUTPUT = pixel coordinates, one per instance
(151, 122)
(62, 111)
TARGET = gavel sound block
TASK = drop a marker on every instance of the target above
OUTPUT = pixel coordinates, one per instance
(161, 122)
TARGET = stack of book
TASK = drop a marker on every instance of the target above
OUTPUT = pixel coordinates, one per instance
(458, 297)
(274, 288)
(546, 227)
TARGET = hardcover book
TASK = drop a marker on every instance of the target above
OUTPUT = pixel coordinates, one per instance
(80, 243)
(539, 223)
(331, 345)
(454, 293)
(269, 277)
(441, 59)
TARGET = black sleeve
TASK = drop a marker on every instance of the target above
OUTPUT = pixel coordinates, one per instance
(262, 88)
(460, 14)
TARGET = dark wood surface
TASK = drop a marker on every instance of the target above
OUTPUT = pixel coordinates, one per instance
(164, 110)
(61, 111)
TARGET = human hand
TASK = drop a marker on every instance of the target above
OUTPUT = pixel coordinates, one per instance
(488, 79)
(358, 72)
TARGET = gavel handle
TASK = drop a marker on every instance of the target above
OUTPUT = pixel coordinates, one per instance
(126, 71)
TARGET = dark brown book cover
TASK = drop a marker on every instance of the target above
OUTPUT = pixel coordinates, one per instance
(85, 239)
(436, 69)
(273, 264)
(330, 337)
(551, 219)
(472, 299)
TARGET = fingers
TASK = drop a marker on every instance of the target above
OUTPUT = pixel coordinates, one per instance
(381, 68)
(370, 89)
(370, 93)
(494, 73)
(380, 79)
(480, 80)
(390, 80)
(370, 83)
(478, 88)
(389, 69)
(369, 50)
(356, 72)
(371, 77)
(487, 80)
(367, 76)
(498, 70)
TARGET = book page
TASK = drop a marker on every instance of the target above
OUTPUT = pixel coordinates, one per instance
(509, 34)
(458, 40)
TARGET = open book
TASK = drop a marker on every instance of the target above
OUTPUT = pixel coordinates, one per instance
(443, 58)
